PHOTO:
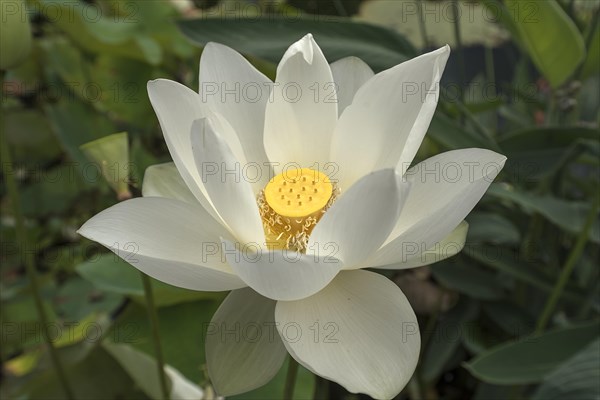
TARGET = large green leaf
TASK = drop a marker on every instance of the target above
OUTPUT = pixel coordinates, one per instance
(577, 378)
(569, 215)
(514, 320)
(551, 38)
(98, 376)
(530, 359)
(304, 389)
(536, 152)
(268, 38)
(445, 340)
(475, 282)
(491, 228)
(591, 65)
(452, 136)
(182, 331)
(111, 274)
(510, 263)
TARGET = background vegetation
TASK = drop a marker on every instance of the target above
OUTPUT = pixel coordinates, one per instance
(515, 315)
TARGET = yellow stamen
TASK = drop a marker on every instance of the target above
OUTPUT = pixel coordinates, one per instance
(291, 205)
(294, 202)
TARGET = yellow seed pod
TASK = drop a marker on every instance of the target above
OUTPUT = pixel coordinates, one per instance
(299, 192)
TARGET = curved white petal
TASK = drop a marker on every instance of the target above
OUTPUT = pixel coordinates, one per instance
(445, 188)
(282, 274)
(300, 119)
(177, 107)
(139, 365)
(359, 331)
(388, 118)
(163, 180)
(414, 256)
(231, 86)
(349, 74)
(361, 219)
(221, 174)
(182, 388)
(243, 349)
(172, 241)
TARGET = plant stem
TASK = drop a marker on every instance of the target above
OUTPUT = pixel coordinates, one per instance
(290, 380)
(568, 268)
(460, 48)
(422, 24)
(321, 388)
(22, 242)
(490, 73)
(153, 317)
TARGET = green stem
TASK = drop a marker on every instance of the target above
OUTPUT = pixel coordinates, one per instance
(290, 380)
(422, 25)
(13, 194)
(153, 317)
(339, 7)
(490, 72)
(321, 388)
(460, 49)
(568, 268)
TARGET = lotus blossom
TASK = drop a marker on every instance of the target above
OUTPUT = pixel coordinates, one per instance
(283, 192)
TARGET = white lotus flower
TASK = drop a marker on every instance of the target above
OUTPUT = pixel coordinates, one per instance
(203, 223)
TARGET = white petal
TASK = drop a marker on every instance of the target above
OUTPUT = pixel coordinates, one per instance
(361, 219)
(230, 85)
(243, 349)
(386, 122)
(413, 256)
(177, 107)
(221, 174)
(163, 180)
(300, 119)
(282, 274)
(182, 388)
(169, 240)
(349, 74)
(139, 365)
(359, 331)
(445, 188)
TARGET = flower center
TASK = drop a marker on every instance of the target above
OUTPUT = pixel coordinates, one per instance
(291, 205)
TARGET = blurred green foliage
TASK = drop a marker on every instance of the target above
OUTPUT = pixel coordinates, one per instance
(524, 81)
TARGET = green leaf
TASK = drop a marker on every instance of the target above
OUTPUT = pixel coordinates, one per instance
(491, 228)
(551, 38)
(467, 279)
(535, 152)
(141, 367)
(514, 320)
(98, 376)
(74, 124)
(445, 340)
(452, 136)
(77, 298)
(591, 65)
(15, 34)
(576, 378)
(182, 331)
(304, 389)
(31, 138)
(530, 359)
(111, 274)
(508, 262)
(111, 155)
(268, 38)
(568, 215)
(102, 34)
